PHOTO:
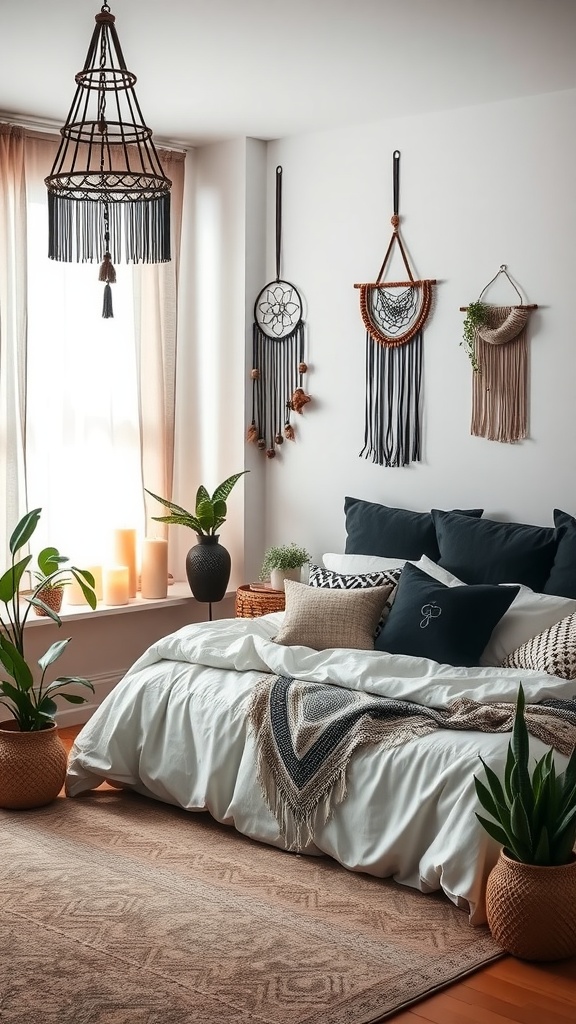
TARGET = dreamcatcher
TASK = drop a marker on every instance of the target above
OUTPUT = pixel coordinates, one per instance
(496, 339)
(278, 363)
(394, 313)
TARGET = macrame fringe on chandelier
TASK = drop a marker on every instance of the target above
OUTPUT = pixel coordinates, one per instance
(500, 378)
(108, 197)
(394, 314)
(278, 365)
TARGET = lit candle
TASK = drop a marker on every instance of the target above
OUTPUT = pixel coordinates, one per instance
(154, 568)
(73, 591)
(115, 585)
(124, 553)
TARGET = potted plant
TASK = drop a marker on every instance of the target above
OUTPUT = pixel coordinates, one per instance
(281, 562)
(50, 579)
(531, 891)
(208, 564)
(32, 757)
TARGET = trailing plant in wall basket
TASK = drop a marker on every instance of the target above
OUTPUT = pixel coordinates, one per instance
(476, 316)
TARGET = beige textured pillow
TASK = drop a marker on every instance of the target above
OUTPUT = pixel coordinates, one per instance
(552, 651)
(322, 619)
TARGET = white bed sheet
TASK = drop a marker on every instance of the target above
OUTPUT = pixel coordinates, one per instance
(175, 729)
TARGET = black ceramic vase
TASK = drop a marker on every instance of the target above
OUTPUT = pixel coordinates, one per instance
(208, 567)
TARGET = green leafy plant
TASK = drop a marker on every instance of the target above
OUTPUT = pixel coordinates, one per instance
(50, 575)
(283, 556)
(33, 706)
(534, 815)
(476, 316)
(209, 512)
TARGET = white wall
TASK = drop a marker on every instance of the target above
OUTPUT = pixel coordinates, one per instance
(479, 187)
(215, 286)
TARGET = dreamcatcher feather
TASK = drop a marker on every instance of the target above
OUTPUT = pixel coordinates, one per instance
(394, 314)
(499, 356)
(278, 365)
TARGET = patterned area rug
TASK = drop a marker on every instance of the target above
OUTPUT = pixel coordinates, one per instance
(120, 910)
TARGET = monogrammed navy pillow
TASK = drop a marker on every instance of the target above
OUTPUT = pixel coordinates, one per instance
(450, 625)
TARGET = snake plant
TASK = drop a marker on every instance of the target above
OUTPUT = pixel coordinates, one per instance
(209, 512)
(534, 814)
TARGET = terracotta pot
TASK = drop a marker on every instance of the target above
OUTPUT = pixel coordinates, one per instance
(32, 766)
(52, 596)
(530, 908)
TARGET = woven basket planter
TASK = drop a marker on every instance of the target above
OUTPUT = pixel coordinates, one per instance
(252, 603)
(531, 909)
(52, 596)
(32, 766)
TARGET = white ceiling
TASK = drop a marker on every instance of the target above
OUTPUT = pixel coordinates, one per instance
(216, 69)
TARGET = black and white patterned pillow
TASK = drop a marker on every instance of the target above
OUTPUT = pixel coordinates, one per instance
(327, 578)
(552, 651)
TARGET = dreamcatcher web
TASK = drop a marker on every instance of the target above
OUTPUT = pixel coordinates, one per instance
(394, 312)
(278, 309)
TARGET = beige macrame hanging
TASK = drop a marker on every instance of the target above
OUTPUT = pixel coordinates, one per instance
(500, 379)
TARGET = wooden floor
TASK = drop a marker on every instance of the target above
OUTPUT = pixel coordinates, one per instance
(508, 990)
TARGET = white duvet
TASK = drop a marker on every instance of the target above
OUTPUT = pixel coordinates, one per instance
(175, 729)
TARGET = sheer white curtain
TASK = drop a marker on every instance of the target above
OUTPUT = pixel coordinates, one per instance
(12, 331)
(98, 394)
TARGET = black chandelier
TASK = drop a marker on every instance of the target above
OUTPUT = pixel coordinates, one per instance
(108, 197)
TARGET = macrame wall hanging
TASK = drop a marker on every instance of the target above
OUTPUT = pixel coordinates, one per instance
(394, 313)
(495, 338)
(278, 363)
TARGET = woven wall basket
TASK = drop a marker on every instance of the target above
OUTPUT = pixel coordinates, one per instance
(530, 909)
(32, 766)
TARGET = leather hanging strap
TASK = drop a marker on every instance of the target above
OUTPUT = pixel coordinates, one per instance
(395, 221)
(278, 219)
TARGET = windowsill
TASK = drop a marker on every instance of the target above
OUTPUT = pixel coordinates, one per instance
(178, 594)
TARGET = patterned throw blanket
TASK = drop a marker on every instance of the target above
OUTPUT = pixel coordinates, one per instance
(306, 734)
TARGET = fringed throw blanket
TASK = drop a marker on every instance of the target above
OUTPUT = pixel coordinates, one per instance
(306, 734)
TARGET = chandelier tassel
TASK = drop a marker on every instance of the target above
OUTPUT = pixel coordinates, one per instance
(108, 274)
(107, 311)
(107, 271)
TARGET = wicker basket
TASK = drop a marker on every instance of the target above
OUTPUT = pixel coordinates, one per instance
(32, 766)
(252, 603)
(530, 908)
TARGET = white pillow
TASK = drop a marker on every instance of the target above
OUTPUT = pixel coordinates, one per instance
(529, 614)
(349, 564)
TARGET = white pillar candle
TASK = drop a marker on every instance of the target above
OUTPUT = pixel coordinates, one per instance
(124, 553)
(73, 592)
(154, 568)
(115, 585)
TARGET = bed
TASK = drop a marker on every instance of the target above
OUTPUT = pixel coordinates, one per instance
(426, 666)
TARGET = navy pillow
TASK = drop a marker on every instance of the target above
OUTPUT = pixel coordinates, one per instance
(562, 578)
(486, 551)
(373, 529)
(451, 625)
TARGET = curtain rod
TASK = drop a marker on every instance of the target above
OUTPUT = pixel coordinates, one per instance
(49, 128)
